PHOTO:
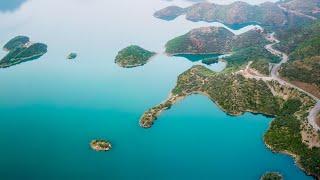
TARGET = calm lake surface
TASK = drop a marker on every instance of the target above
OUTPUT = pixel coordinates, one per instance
(52, 108)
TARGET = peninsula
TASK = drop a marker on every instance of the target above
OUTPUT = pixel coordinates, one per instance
(133, 56)
(20, 50)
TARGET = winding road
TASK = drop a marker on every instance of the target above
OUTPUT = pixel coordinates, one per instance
(274, 75)
(312, 117)
(314, 112)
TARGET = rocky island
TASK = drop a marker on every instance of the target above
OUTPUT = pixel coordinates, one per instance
(133, 56)
(20, 50)
(100, 145)
(272, 176)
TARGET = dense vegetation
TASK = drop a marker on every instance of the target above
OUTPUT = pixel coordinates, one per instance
(303, 46)
(245, 55)
(262, 66)
(300, 42)
(284, 135)
(234, 93)
(272, 176)
(133, 56)
(20, 51)
(307, 70)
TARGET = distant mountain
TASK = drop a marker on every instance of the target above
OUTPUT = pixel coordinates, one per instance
(309, 7)
(270, 15)
(300, 42)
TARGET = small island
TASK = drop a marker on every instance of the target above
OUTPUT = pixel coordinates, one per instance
(20, 50)
(100, 145)
(272, 176)
(133, 56)
(72, 56)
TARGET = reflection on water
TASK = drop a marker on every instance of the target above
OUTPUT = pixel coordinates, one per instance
(10, 5)
(201, 59)
(197, 57)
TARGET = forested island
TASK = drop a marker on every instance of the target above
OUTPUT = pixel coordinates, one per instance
(20, 50)
(133, 56)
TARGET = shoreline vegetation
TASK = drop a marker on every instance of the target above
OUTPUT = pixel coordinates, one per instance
(133, 56)
(20, 50)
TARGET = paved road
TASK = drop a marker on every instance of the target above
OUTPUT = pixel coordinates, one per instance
(312, 118)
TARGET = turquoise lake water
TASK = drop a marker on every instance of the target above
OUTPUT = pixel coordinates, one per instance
(52, 108)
